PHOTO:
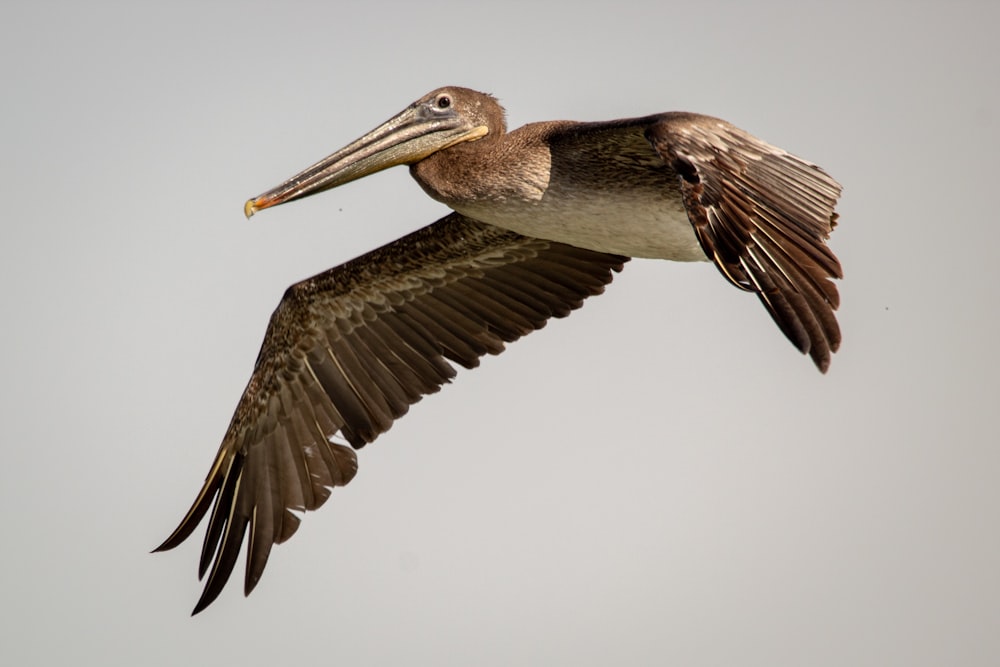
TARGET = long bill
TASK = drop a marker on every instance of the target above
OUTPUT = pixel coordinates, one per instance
(406, 138)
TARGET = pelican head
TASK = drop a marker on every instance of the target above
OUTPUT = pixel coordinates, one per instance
(438, 120)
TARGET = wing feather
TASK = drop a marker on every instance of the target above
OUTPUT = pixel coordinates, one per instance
(348, 351)
(763, 216)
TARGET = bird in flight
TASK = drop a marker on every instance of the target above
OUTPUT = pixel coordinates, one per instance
(542, 217)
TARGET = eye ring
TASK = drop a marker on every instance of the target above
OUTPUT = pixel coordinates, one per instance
(443, 102)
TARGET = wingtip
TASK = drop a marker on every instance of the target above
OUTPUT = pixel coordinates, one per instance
(210, 593)
(178, 536)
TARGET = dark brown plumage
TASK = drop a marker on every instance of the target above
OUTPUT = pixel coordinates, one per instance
(763, 216)
(544, 216)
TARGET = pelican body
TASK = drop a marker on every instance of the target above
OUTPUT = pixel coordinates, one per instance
(542, 218)
(560, 186)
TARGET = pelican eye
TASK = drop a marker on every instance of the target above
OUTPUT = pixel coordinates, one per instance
(443, 102)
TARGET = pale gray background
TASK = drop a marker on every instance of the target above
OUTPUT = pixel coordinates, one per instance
(633, 485)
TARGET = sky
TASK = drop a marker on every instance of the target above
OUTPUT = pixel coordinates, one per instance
(635, 484)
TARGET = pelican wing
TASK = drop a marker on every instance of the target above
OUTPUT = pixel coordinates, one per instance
(763, 216)
(349, 350)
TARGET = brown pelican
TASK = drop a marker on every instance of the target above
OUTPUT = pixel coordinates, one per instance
(542, 217)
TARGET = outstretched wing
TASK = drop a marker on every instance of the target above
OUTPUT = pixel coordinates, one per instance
(763, 216)
(348, 351)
